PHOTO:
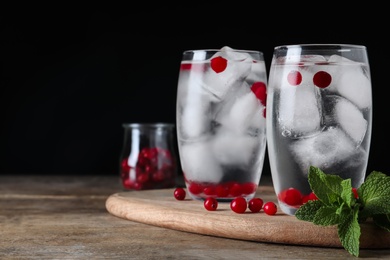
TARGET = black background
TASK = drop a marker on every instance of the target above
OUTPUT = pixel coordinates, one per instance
(71, 76)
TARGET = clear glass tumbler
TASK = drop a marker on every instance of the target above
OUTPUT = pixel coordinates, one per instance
(148, 159)
(319, 113)
(220, 120)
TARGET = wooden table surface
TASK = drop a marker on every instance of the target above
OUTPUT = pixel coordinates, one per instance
(64, 217)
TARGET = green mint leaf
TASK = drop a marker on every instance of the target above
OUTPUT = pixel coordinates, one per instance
(374, 194)
(326, 187)
(374, 175)
(347, 195)
(349, 231)
(337, 205)
(382, 221)
(308, 210)
(326, 216)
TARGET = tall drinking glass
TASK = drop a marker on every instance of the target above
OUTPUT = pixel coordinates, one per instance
(221, 122)
(319, 114)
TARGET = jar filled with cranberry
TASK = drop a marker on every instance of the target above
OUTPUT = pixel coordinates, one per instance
(148, 159)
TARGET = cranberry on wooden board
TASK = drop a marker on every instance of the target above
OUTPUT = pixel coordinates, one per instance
(238, 205)
(211, 204)
(270, 208)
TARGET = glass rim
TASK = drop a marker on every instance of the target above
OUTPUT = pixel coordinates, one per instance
(219, 50)
(322, 45)
(148, 125)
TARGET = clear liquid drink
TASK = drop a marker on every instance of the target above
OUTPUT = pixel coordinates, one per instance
(221, 122)
(319, 114)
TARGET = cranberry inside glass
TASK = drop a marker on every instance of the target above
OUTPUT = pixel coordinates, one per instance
(148, 159)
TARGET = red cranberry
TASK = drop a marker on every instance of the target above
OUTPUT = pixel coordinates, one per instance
(235, 190)
(218, 64)
(322, 79)
(260, 90)
(195, 188)
(222, 190)
(249, 188)
(294, 78)
(125, 166)
(238, 205)
(210, 203)
(270, 208)
(255, 205)
(291, 196)
(355, 193)
(179, 194)
(209, 190)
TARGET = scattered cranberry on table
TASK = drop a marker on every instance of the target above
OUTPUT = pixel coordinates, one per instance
(211, 204)
(255, 205)
(179, 193)
(239, 205)
(270, 208)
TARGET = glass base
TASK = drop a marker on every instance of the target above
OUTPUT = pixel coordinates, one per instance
(222, 199)
(287, 209)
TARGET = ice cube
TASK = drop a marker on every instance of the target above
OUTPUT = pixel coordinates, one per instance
(350, 119)
(339, 59)
(233, 148)
(294, 56)
(242, 111)
(313, 58)
(300, 110)
(257, 125)
(195, 120)
(197, 85)
(352, 81)
(194, 107)
(354, 85)
(238, 68)
(199, 162)
(258, 72)
(230, 54)
(325, 150)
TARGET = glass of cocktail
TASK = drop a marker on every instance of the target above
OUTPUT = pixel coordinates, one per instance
(319, 113)
(220, 118)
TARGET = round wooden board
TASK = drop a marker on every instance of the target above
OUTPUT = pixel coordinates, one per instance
(160, 208)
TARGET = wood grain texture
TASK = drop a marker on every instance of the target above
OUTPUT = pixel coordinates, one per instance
(65, 217)
(160, 208)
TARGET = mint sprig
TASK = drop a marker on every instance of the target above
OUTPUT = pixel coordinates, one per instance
(337, 205)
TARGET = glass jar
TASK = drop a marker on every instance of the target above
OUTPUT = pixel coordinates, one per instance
(148, 159)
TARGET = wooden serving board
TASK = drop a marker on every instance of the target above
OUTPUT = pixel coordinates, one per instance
(160, 208)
